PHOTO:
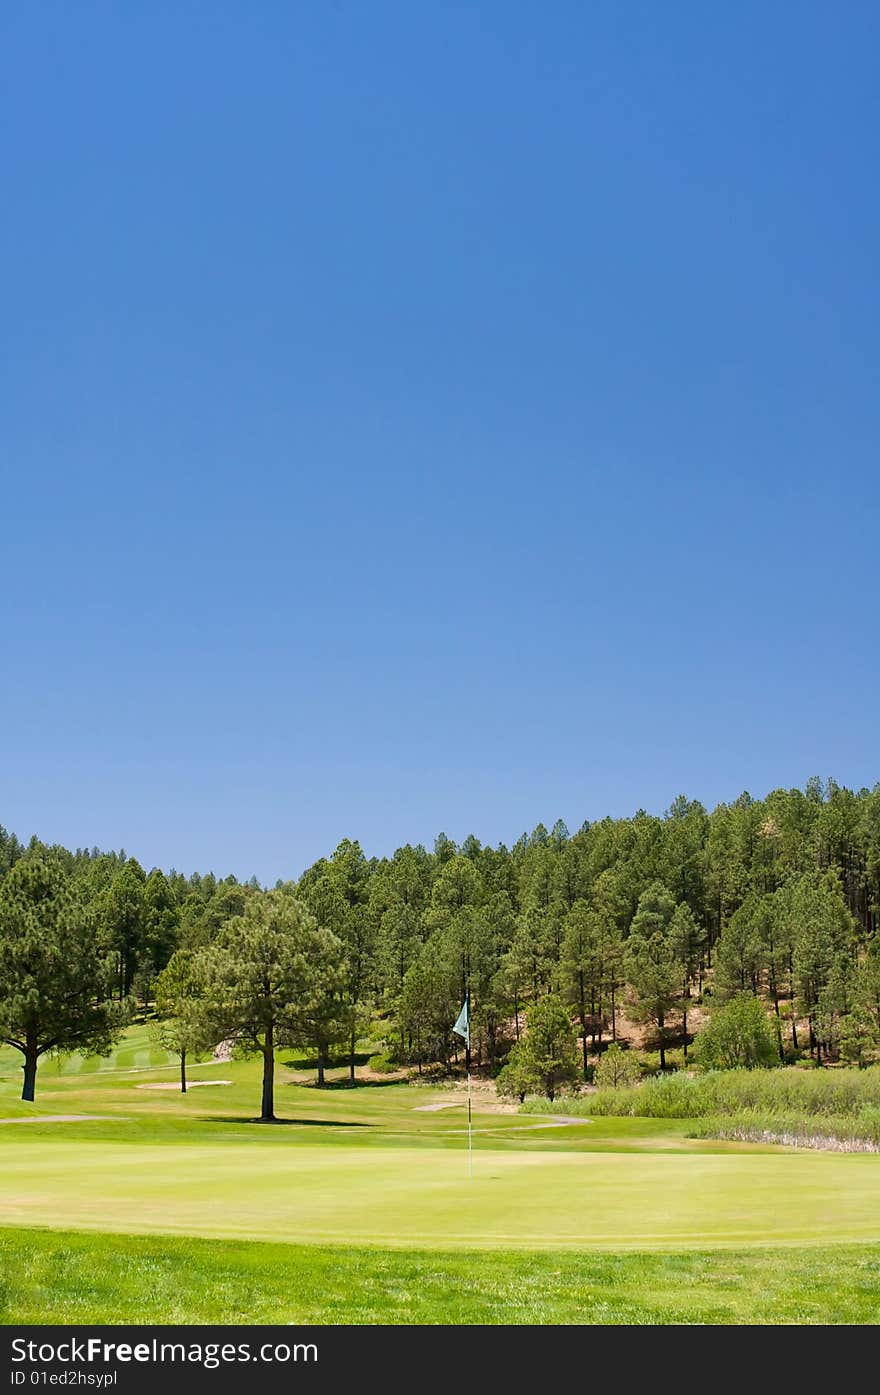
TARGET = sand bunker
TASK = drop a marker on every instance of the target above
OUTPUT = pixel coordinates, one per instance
(175, 1085)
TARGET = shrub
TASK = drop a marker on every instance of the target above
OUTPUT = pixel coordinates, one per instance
(384, 1062)
(615, 1067)
(513, 1081)
(738, 1035)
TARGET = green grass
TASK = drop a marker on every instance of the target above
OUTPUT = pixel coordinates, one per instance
(359, 1208)
(136, 1051)
(290, 1187)
(75, 1278)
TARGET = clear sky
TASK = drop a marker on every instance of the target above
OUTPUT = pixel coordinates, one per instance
(432, 416)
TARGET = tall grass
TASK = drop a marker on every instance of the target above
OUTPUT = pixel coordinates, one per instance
(832, 1133)
(797, 1094)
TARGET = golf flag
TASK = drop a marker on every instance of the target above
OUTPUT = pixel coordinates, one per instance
(463, 1025)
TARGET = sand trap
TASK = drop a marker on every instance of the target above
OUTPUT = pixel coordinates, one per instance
(175, 1085)
(435, 1108)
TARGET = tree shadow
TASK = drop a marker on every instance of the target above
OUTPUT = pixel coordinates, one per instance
(332, 1063)
(278, 1123)
(351, 1084)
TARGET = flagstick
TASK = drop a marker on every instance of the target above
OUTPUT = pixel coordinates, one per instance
(470, 1128)
(463, 1029)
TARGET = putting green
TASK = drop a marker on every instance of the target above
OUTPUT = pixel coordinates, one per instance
(406, 1197)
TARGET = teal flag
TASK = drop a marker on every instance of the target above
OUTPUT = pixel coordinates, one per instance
(463, 1025)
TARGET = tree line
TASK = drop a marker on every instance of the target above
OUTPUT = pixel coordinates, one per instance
(776, 899)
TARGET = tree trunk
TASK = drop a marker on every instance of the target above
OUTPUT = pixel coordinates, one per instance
(516, 1012)
(31, 1058)
(267, 1115)
(661, 1023)
(320, 1065)
(613, 1014)
(183, 1072)
(351, 1046)
(684, 1031)
(778, 1016)
(791, 984)
(583, 1008)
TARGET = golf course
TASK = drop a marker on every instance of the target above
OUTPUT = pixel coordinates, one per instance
(124, 1200)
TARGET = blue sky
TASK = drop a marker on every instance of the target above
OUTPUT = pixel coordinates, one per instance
(424, 417)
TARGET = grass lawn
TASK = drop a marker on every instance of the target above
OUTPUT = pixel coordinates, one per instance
(50, 1276)
(150, 1209)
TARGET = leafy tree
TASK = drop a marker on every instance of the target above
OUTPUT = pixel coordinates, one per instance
(738, 1035)
(56, 971)
(616, 1068)
(545, 1058)
(266, 980)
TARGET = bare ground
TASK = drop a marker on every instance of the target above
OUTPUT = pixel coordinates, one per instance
(175, 1084)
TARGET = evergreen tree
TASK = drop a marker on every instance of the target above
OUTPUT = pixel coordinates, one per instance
(652, 969)
(56, 969)
(266, 980)
(545, 1058)
(180, 1028)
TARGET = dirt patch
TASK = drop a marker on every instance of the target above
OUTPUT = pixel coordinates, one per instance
(175, 1085)
(485, 1101)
